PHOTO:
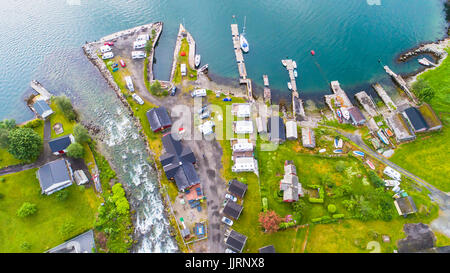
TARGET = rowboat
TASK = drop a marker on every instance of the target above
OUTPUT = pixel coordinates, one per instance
(338, 151)
(370, 164)
(358, 153)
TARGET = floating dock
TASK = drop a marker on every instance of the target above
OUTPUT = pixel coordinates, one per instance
(367, 103)
(267, 92)
(289, 64)
(297, 103)
(240, 61)
(401, 82)
(37, 86)
(384, 96)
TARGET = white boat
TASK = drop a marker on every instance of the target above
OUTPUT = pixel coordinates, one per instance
(294, 64)
(203, 68)
(295, 73)
(129, 83)
(424, 62)
(345, 113)
(242, 40)
(289, 85)
(283, 62)
(340, 143)
(197, 60)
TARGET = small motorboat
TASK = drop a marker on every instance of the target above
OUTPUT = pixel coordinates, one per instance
(338, 151)
(289, 85)
(339, 115)
(322, 150)
(294, 64)
(358, 153)
(283, 62)
(197, 60)
(203, 68)
(370, 164)
(295, 73)
(242, 40)
(336, 142)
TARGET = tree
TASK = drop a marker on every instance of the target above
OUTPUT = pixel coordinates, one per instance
(376, 180)
(340, 166)
(26, 209)
(156, 88)
(331, 208)
(75, 150)
(8, 124)
(149, 46)
(4, 138)
(24, 144)
(66, 107)
(423, 90)
(270, 221)
(81, 134)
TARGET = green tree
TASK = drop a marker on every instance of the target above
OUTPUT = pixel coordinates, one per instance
(26, 209)
(4, 138)
(66, 107)
(8, 124)
(331, 208)
(376, 180)
(156, 88)
(423, 90)
(62, 195)
(81, 134)
(24, 144)
(75, 150)
(340, 166)
(149, 46)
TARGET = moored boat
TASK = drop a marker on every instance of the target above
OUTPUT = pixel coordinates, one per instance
(382, 137)
(295, 73)
(338, 151)
(336, 142)
(242, 40)
(197, 60)
(322, 150)
(294, 64)
(358, 153)
(340, 143)
(289, 85)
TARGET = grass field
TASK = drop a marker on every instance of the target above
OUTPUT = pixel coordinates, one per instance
(42, 230)
(427, 156)
(177, 78)
(58, 117)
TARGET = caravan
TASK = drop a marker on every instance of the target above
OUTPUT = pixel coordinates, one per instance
(139, 44)
(198, 93)
(138, 54)
(108, 55)
(183, 69)
(143, 37)
(392, 173)
(129, 83)
(105, 48)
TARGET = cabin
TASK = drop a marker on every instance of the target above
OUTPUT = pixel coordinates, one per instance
(276, 129)
(291, 130)
(138, 54)
(235, 241)
(178, 163)
(58, 146)
(83, 243)
(54, 176)
(308, 138)
(159, 119)
(400, 127)
(267, 249)
(356, 116)
(241, 110)
(244, 164)
(415, 119)
(42, 109)
(405, 206)
(237, 188)
(430, 117)
(233, 209)
(243, 127)
(183, 69)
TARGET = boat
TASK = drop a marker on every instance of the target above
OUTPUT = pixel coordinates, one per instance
(388, 132)
(322, 150)
(336, 142)
(382, 137)
(370, 164)
(345, 114)
(358, 153)
(338, 151)
(340, 143)
(242, 40)
(203, 68)
(295, 73)
(424, 62)
(283, 62)
(294, 64)
(197, 60)
(289, 85)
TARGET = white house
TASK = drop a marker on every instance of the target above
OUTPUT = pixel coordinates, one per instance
(241, 110)
(243, 127)
(244, 164)
(392, 173)
(291, 130)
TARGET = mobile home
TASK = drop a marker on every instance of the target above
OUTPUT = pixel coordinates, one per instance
(129, 83)
(138, 54)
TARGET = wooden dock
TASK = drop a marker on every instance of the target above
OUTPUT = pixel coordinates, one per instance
(267, 92)
(367, 103)
(37, 86)
(341, 96)
(384, 96)
(240, 61)
(401, 82)
(289, 64)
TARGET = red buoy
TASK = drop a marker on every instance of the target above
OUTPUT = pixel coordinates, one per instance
(183, 53)
(313, 52)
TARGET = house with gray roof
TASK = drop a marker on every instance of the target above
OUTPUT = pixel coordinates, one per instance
(236, 241)
(54, 176)
(267, 249)
(59, 145)
(233, 209)
(237, 188)
(356, 116)
(83, 243)
(415, 119)
(178, 163)
(159, 119)
(405, 206)
(42, 109)
(276, 129)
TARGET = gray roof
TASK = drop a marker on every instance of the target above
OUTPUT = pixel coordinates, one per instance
(236, 241)
(237, 188)
(233, 209)
(41, 107)
(54, 176)
(60, 143)
(406, 205)
(178, 163)
(83, 243)
(356, 115)
(158, 119)
(278, 132)
(416, 119)
(418, 237)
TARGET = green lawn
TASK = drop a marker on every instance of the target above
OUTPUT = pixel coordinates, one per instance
(427, 156)
(58, 117)
(43, 229)
(184, 59)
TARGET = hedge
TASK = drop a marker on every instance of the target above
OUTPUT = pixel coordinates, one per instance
(338, 216)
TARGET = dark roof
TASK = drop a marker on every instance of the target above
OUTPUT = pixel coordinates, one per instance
(278, 132)
(406, 205)
(158, 118)
(236, 241)
(237, 188)
(418, 237)
(41, 107)
(267, 249)
(356, 115)
(442, 249)
(416, 119)
(52, 174)
(233, 209)
(178, 163)
(60, 143)
(83, 243)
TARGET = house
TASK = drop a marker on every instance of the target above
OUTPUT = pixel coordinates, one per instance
(356, 116)
(430, 117)
(183, 69)
(42, 109)
(244, 164)
(83, 243)
(308, 138)
(405, 206)
(267, 249)
(415, 119)
(243, 127)
(233, 209)
(59, 145)
(291, 130)
(159, 119)
(400, 127)
(54, 176)
(207, 127)
(237, 188)
(261, 125)
(236, 241)
(290, 184)
(241, 110)
(276, 129)
(178, 163)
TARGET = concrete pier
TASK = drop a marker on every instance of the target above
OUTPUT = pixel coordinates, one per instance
(37, 86)
(289, 64)
(384, 96)
(267, 93)
(240, 61)
(367, 103)
(401, 82)
(183, 34)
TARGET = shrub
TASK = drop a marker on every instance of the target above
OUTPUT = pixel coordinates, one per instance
(270, 221)
(81, 134)
(24, 144)
(338, 216)
(265, 204)
(66, 107)
(62, 195)
(340, 166)
(26, 210)
(331, 208)
(75, 150)
(34, 124)
(376, 180)
(2, 179)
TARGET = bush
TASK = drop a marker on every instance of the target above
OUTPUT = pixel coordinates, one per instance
(26, 210)
(62, 195)
(340, 166)
(338, 216)
(34, 124)
(376, 180)
(265, 204)
(24, 144)
(75, 150)
(81, 134)
(331, 208)
(2, 179)
(66, 107)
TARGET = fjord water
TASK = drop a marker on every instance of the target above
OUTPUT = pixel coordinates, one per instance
(41, 40)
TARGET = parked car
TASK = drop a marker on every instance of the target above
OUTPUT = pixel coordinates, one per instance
(109, 43)
(227, 221)
(229, 251)
(205, 114)
(115, 69)
(122, 63)
(231, 197)
(173, 91)
(138, 99)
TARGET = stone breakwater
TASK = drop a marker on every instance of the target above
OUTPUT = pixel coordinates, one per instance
(90, 52)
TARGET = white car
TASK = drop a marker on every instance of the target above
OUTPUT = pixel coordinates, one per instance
(229, 251)
(108, 55)
(227, 221)
(138, 99)
(231, 197)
